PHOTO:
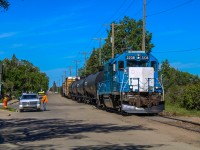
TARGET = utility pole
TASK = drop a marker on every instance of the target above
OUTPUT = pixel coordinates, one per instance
(70, 71)
(63, 79)
(144, 27)
(100, 43)
(84, 53)
(76, 61)
(65, 74)
(113, 38)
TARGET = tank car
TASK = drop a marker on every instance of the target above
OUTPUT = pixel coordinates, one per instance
(80, 90)
(90, 86)
(130, 84)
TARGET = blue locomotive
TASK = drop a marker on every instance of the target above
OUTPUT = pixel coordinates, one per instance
(128, 83)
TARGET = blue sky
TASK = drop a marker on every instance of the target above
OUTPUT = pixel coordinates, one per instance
(51, 34)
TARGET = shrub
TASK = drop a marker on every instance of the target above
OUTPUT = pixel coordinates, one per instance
(191, 97)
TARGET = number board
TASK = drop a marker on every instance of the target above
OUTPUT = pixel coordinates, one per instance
(145, 57)
(130, 57)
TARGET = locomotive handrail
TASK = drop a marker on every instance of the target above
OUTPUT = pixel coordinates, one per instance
(139, 82)
(122, 83)
(100, 85)
(138, 85)
(163, 91)
(125, 85)
(103, 83)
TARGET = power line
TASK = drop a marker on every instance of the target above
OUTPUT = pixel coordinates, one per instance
(125, 10)
(179, 51)
(116, 11)
(172, 8)
(100, 43)
(140, 10)
(76, 61)
(70, 71)
(114, 14)
(85, 59)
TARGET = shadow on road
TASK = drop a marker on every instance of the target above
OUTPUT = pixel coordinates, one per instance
(16, 131)
(118, 147)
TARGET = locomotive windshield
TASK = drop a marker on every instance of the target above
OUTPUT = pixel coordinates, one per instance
(136, 64)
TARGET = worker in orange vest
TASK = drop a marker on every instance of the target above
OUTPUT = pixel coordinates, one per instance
(5, 101)
(44, 100)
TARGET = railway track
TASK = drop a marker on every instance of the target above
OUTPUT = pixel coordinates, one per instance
(180, 123)
(177, 122)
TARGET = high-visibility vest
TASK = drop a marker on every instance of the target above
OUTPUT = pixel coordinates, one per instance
(44, 99)
(5, 99)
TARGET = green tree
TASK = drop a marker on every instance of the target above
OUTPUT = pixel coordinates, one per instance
(4, 4)
(54, 87)
(191, 97)
(181, 88)
(22, 76)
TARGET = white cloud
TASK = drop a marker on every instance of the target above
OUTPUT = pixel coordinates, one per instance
(8, 34)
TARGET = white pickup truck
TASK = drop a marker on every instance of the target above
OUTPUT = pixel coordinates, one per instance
(29, 101)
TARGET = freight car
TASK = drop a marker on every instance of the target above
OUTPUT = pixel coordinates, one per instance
(128, 83)
(66, 86)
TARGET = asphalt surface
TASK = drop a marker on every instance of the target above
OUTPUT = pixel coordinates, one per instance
(70, 125)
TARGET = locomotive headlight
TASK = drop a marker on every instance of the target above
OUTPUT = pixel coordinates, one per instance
(156, 87)
(138, 56)
(131, 87)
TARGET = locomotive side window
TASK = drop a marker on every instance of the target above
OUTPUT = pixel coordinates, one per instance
(154, 65)
(120, 65)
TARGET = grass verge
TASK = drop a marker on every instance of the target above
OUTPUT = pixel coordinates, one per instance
(9, 109)
(176, 110)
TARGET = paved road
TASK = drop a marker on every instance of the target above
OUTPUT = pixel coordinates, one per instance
(71, 125)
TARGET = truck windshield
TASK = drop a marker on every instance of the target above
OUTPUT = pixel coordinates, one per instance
(29, 96)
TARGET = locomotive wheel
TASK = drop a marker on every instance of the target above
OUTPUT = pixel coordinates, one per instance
(98, 104)
(123, 113)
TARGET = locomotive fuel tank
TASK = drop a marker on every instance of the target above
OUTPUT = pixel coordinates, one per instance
(91, 83)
